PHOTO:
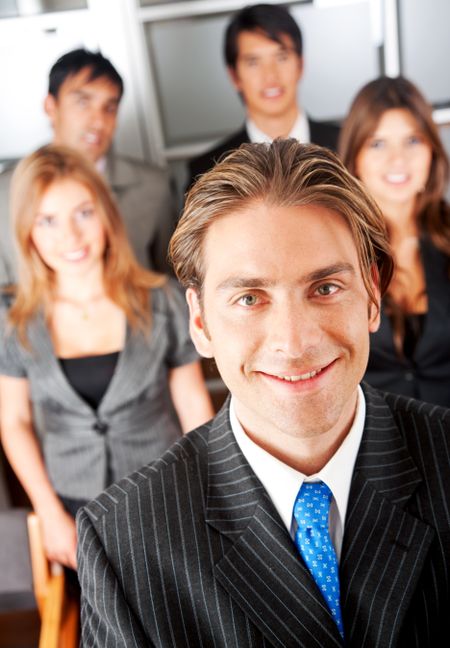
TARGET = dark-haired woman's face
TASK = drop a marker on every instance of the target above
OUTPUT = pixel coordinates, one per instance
(394, 163)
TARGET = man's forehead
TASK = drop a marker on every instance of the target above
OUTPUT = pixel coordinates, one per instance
(82, 81)
(256, 236)
(256, 39)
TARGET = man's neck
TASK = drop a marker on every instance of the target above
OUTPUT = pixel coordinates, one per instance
(307, 454)
(276, 125)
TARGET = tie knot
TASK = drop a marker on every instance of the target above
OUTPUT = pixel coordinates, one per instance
(312, 505)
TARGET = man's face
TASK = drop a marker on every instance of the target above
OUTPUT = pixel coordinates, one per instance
(84, 114)
(267, 74)
(286, 316)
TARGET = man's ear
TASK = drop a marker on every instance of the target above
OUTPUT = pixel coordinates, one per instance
(234, 78)
(301, 68)
(375, 309)
(50, 107)
(197, 326)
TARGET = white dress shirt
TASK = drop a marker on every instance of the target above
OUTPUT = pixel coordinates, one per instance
(299, 131)
(282, 482)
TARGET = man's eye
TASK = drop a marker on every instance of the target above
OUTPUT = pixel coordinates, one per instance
(327, 289)
(282, 56)
(248, 300)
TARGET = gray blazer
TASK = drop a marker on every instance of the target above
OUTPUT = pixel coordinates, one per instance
(190, 550)
(86, 450)
(145, 202)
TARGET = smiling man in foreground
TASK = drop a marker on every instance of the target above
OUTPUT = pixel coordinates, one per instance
(310, 512)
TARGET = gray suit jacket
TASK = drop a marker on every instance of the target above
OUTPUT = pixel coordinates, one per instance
(86, 450)
(145, 202)
(190, 551)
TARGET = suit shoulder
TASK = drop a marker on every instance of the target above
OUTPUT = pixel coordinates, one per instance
(125, 164)
(187, 454)
(425, 427)
(405, 406)
(324, 133)
(203, 163)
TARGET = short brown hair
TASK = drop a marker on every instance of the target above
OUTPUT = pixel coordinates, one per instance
(284, 173)
(126, 283)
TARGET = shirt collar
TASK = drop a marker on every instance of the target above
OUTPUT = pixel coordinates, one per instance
(282, 482)
(299, 131)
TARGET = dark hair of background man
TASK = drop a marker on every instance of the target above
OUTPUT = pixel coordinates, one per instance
(73, 62)
(273, 21)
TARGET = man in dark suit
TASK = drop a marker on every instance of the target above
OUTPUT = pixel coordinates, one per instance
(82, 104)
(264, 57)
(310, 512)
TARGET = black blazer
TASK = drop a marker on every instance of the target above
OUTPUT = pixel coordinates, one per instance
(426, 375)
(321, 133)
(190, 551)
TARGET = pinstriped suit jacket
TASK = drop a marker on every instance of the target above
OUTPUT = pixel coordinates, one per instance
(189, 551)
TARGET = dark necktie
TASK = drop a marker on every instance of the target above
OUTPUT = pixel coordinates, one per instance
(312, 538)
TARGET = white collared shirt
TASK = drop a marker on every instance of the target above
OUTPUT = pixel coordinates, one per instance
(282, 482)
(299, 131)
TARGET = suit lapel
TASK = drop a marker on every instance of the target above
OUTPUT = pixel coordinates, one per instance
(132, 369)
(384, 546)
(260, 568)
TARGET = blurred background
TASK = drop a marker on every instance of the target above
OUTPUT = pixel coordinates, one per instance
(178, 100)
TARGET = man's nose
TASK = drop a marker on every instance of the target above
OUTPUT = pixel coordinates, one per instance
(294, 328)
(97, 117)
(270, 70)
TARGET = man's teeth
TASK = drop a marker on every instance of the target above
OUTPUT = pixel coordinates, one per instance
(91, 138)
(305, 376)
(272, 92)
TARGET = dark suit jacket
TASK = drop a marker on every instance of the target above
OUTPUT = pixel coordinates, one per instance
(321, 133)
(190, 551)
(426, 375)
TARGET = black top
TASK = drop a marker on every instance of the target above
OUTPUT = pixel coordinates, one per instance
(90, 375)
(423, 371)
(321, 133)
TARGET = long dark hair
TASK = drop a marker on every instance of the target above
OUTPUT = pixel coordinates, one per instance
(369, 105)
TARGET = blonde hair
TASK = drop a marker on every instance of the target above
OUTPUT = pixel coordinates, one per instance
(126, 283)
(284, 173)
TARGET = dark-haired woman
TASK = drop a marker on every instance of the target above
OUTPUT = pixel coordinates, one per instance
(390, 142)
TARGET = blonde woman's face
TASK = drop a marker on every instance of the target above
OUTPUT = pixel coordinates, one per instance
(67, 231)
(395, 162)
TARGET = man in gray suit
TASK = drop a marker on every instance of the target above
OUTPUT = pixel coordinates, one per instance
(82, 104)
(312, 511)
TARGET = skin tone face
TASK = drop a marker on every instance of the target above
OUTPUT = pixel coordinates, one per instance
(286, 316)
(266, 75)
(394, 163)
(68, 232)
(84, 114)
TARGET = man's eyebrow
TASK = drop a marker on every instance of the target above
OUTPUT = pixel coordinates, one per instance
(244, 282)
(323, 273)
(258, 282)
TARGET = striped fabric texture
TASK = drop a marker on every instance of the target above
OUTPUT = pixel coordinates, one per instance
(86, 450)
(189, 551)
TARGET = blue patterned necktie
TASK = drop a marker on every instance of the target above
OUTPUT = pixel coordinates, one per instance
(313, 541)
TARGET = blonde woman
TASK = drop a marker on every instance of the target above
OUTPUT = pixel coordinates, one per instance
(97, 372)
